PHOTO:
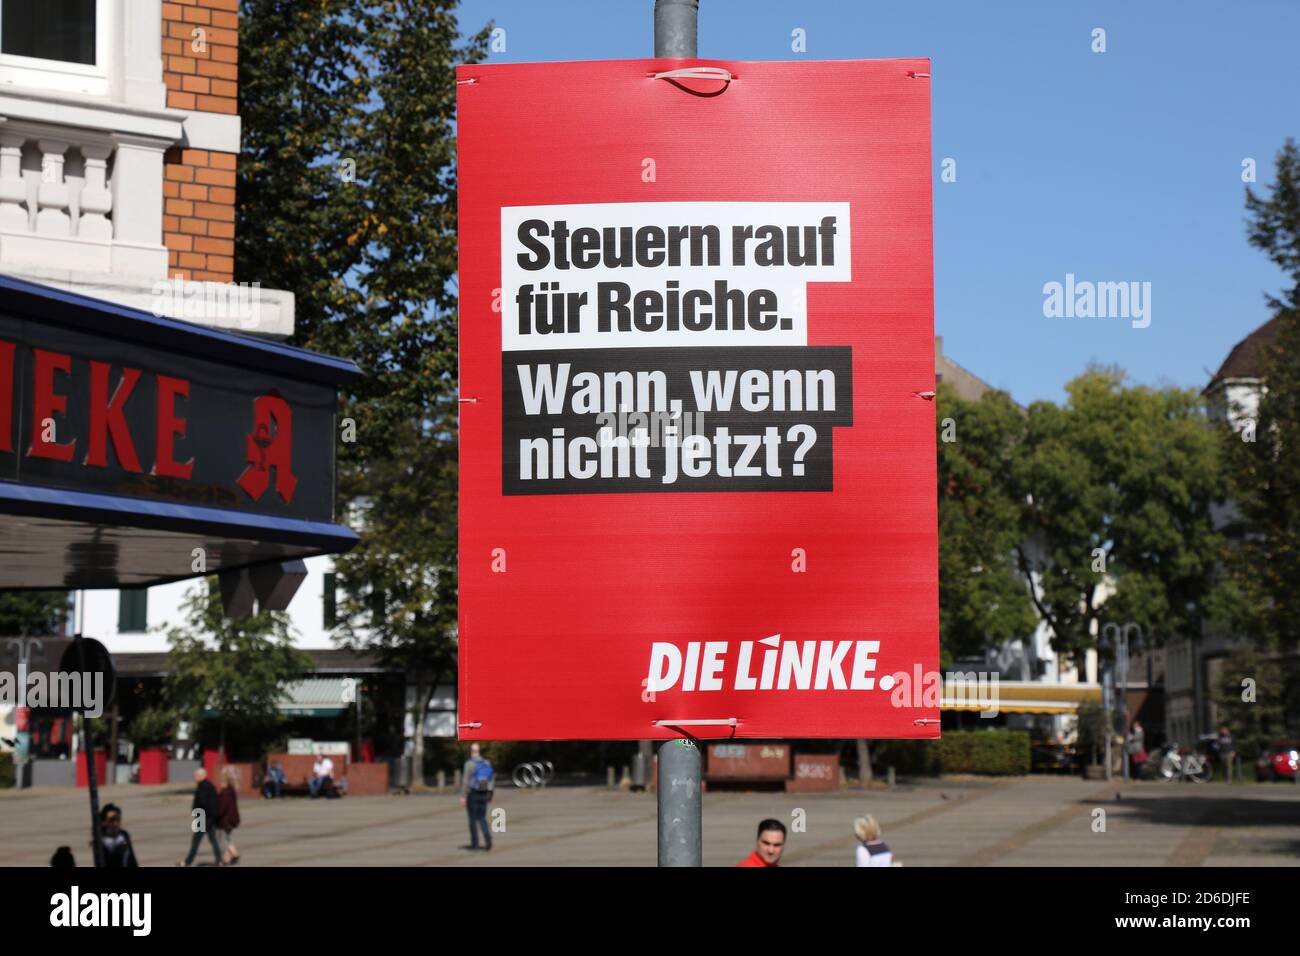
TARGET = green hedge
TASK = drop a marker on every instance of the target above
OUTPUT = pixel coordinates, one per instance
(957, 751)
(6, 770)
(984, 751)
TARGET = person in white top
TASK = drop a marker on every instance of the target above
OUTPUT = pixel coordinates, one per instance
(872, 850)
(322, 774)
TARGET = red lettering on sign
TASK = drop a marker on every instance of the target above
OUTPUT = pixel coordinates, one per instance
(6, 396)
(45, 403)
(169, 426)
(266, 449)
(106, 418)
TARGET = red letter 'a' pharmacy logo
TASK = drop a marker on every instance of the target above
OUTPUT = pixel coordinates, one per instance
(269, 447)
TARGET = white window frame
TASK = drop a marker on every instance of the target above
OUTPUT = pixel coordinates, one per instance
(37, 73)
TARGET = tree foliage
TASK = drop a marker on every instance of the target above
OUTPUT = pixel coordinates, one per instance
(1264, 473)
(32, 613)
(1095, 510)
(1274, 224)
(1117, 486)
(983, 600)
(235, 667)
(347, 190)
(1257, 696)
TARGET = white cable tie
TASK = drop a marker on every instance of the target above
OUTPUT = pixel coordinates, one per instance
(728, 722)
(472, 79)
(697, 73)
(918, 76)
(472, 724)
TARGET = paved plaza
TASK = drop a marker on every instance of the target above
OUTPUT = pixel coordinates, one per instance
(1036, 821)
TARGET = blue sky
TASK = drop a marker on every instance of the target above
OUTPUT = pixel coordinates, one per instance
(1117, 166)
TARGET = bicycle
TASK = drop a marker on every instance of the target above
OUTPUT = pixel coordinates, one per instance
(1188, 765)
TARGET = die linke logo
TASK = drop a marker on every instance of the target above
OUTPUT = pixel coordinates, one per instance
(268, 445)
(767, 664)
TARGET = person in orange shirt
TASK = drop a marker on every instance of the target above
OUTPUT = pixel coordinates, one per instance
(771, 844)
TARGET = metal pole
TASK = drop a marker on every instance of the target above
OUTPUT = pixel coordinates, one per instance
(680, 804)
(679, 782)
(1108, 718)
(357, 752)
(676, 28)
(90, 763)
(1123, 701)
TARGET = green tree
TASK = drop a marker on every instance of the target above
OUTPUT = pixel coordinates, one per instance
(983, 601)
(1257, 697)
(1264, 473)
(235, 668)
(398, 594)
(152, 727)
(983, 598)
(32, 613)
(1274, 224)
(347, 190)
(1117, 486)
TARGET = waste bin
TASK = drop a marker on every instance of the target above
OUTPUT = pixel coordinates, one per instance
(401, 770)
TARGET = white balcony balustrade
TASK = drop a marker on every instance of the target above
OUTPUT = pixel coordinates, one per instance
(63, 206)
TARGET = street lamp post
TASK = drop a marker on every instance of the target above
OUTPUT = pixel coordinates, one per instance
(1112, 635)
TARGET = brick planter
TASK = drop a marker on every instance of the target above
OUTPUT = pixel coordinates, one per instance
(367, 779)
(814, 773)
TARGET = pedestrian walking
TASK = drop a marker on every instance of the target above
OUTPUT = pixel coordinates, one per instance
(1137, 750)
(1227, 753)
(872, 849)
(116, 842)
(478, 780)
(204, 822)
(228, 815)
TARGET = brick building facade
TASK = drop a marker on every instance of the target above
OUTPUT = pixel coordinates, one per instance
(119, 139)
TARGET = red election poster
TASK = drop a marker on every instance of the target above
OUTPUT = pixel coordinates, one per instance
(697, 433)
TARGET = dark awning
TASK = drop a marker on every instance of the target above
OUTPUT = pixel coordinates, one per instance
(136, 449)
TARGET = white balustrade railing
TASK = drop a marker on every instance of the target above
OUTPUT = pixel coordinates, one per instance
(55, 188)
